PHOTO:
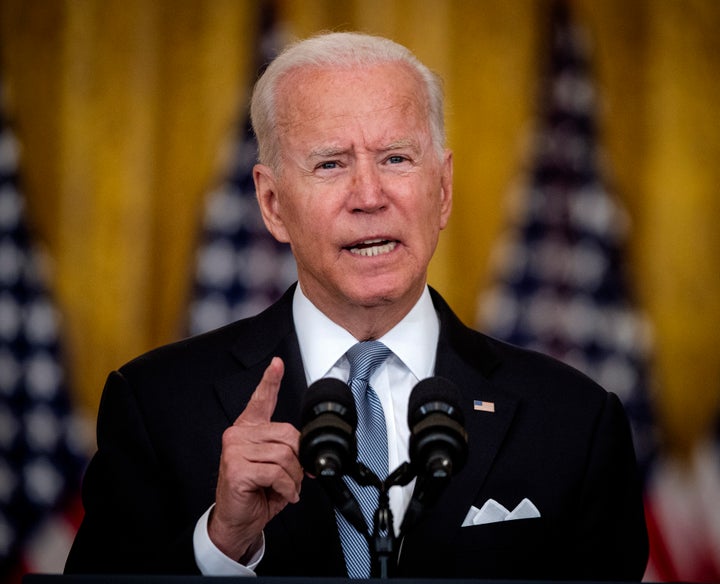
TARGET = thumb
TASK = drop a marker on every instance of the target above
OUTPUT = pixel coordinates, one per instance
(262, 402)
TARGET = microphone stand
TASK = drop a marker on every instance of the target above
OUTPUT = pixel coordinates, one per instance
(383, 543)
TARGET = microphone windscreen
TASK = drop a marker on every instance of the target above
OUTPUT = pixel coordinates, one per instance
(328, 391)
(432, 394)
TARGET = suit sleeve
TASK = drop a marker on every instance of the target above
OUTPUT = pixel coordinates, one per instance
(611, 539)
(130, 525)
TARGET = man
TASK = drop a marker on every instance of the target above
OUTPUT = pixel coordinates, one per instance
(197, 466)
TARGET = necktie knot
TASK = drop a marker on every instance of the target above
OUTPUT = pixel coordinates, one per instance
(365, 357)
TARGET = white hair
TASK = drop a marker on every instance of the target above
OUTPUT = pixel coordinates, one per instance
(339, 49)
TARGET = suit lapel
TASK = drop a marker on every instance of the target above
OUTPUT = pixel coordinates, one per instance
(486, 432)
(253, 351)
(464, 357)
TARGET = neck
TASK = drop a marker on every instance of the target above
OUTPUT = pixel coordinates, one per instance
(368, 324)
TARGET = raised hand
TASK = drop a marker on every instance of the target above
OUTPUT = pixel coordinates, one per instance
(259, 471)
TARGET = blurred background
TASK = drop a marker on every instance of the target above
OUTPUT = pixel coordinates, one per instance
(126, 151)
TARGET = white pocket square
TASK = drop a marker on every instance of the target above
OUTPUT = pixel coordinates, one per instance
(492, 512)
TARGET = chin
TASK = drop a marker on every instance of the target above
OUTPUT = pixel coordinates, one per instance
(373, 294)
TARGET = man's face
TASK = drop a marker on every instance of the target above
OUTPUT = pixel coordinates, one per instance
(361, 194)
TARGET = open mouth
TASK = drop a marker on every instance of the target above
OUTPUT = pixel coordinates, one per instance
(372, 247)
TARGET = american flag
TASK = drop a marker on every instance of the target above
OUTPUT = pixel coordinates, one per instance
(561, 288)
(483, 406)
(42, 442)
(561, 285)
(240, 268)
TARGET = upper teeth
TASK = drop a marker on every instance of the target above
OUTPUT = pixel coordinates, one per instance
(372, 249)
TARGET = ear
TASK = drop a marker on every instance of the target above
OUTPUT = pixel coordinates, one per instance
(267, 195)
(446, 186)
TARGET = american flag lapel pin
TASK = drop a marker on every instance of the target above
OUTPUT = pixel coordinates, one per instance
(483, 406)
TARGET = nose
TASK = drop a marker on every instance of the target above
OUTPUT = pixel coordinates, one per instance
(367, 194)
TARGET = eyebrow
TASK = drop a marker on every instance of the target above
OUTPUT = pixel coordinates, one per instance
(401, 144)
(328, 152)
(332, 151)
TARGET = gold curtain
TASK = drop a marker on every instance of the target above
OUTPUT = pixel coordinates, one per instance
(124, 108)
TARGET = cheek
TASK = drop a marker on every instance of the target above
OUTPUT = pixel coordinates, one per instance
(432, 216)
(307, 225)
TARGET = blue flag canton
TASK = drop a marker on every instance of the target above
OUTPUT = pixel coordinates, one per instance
(561, 286)
(241, 268)
(42, 446)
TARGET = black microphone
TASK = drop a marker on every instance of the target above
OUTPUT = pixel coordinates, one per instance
(328, 448)
(438, 442)
(328, 420)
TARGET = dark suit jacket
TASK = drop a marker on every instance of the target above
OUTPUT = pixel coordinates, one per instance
(555, 437)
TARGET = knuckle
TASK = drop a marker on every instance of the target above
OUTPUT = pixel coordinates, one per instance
(231, 435)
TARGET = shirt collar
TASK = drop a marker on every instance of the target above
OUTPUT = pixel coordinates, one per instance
(322, 342)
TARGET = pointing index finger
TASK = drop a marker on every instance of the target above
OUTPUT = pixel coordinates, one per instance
(262, 402)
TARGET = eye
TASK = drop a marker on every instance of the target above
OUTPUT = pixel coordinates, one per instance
(396, 159)
(327, 165)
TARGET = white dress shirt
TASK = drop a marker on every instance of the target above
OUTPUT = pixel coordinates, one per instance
(323, 344)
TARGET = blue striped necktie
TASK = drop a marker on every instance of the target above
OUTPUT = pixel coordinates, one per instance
(365, 357)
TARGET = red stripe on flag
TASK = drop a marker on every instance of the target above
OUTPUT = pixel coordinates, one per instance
(660, 565)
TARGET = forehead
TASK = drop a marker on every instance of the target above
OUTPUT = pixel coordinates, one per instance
(315, 100)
